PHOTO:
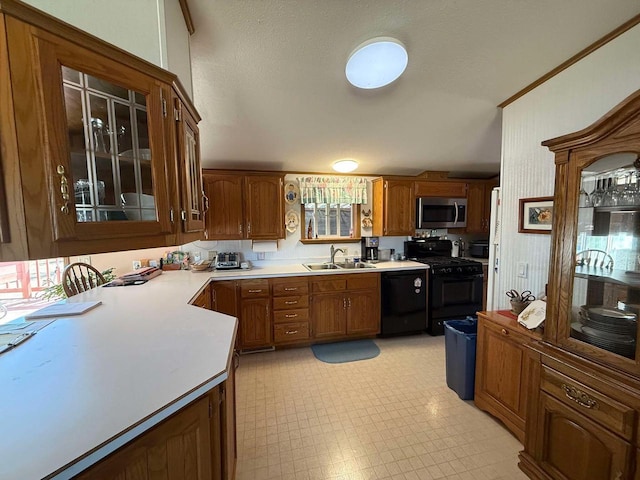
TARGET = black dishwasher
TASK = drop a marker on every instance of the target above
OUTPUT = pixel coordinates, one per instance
(404, 302)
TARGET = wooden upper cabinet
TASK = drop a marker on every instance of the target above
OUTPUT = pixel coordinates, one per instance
(440, 189)
(264, 212)
(84, 143)
(225, 218)
(194, 202)
(479, 206)
(244, 206)
(394, 207)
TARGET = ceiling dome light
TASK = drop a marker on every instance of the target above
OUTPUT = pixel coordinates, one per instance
(345, 166)
(376, 63)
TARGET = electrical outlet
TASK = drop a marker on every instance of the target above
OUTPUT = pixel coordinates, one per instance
(346, 251)
(260, 256)
(85, 259)
(212, 254)
(523, 269)
(137, 264)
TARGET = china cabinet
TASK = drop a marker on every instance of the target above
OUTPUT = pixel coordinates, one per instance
(85, 148)
(394, 204)
(585, 389)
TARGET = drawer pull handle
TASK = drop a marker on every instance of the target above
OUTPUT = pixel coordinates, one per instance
(291, 332)
(290, 289)
(505, 331)
(291, 315)
(255, 291)
(579, 396)
(291, 302)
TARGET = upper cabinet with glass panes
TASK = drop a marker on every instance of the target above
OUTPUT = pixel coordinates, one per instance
(594, 300)
(93, 155)
(109, 150)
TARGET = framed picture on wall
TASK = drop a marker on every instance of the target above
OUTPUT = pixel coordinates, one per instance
(536, 215)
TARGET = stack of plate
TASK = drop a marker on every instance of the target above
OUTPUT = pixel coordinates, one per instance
(608, 328)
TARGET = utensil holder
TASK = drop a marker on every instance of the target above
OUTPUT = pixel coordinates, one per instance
(517, 306)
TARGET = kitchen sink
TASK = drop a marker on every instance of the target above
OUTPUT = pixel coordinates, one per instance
(351, 266)
(320, 266)
(336, 266)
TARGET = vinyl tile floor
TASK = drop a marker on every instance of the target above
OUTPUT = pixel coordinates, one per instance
(390, 417)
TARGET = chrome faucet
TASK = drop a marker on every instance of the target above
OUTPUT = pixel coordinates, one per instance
(335, 250)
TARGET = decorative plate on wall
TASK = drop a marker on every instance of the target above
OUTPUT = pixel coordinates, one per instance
(291, 193)
(292, 220)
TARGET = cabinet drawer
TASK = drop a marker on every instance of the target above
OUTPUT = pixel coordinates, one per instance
(589, 402)
(289, 332)
(254, 288)
(284, 316)
(360, 281)
(294, 286)
(337, 283)
(287, 303)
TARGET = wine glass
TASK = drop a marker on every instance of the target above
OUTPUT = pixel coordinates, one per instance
(598, 194)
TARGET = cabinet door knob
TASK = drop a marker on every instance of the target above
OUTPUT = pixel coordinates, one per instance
(505, 331)
(205, 203)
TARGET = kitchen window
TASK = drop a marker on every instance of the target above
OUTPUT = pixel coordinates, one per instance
(330, 220)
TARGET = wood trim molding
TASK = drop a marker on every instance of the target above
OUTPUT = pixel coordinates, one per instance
(575, 59)
(188, 20)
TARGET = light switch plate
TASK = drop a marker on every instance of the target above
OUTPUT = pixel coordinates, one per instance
(523, 269)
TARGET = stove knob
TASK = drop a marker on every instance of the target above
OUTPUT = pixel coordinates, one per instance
(459, 270)
(448, 270)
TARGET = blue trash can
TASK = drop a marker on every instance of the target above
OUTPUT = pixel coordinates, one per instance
(460, 352)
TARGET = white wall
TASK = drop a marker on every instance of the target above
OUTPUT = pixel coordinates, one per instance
(150, 29)
(568, 102)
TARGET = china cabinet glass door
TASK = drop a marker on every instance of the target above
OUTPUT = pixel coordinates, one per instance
(605, 302)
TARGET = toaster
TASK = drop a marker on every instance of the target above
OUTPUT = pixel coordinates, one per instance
(227, 260)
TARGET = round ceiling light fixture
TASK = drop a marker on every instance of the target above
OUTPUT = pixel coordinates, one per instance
(376, 63)
(345, 166)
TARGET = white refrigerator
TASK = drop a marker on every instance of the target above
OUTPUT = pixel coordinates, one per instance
(494, 248)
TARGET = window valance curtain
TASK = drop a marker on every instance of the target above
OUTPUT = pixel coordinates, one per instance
(333, 190)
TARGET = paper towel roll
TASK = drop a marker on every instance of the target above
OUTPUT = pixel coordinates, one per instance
(265, 246)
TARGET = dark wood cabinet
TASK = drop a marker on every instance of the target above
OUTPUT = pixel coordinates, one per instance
(585, 392)
(176, 449)
(193, 203)
(345, 305)
(479, 206)
(394, 207)
(573, 447)
(447, 189)
(255, 314)
(290, 297)
(228, 438)
(86, 145)
(503, 369)
(203, 299)
(224, 297)
(244, 206)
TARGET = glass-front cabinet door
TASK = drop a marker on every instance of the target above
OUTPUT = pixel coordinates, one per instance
(606, 286)
(595, 271)
(107, 154)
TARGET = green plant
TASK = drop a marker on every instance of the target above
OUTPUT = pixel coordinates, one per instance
(56, 292)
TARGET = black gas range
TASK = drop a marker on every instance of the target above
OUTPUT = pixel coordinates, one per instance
(455, 285)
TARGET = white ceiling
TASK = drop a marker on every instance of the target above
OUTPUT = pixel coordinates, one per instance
(269, 78)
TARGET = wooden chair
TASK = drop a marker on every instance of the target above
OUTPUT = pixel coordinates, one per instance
(80, 277)
(594, 258)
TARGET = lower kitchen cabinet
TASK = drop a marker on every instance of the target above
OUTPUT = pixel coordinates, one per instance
(184, 446)
(203, 299)
(345, 305)
(290, 310)
(502, 370)
(224, 297)
(228, 438)
(255, 314)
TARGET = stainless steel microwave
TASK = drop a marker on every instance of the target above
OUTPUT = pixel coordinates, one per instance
(439, 212)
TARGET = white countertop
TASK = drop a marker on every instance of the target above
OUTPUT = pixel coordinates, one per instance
(108, 375)
(84, 386)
